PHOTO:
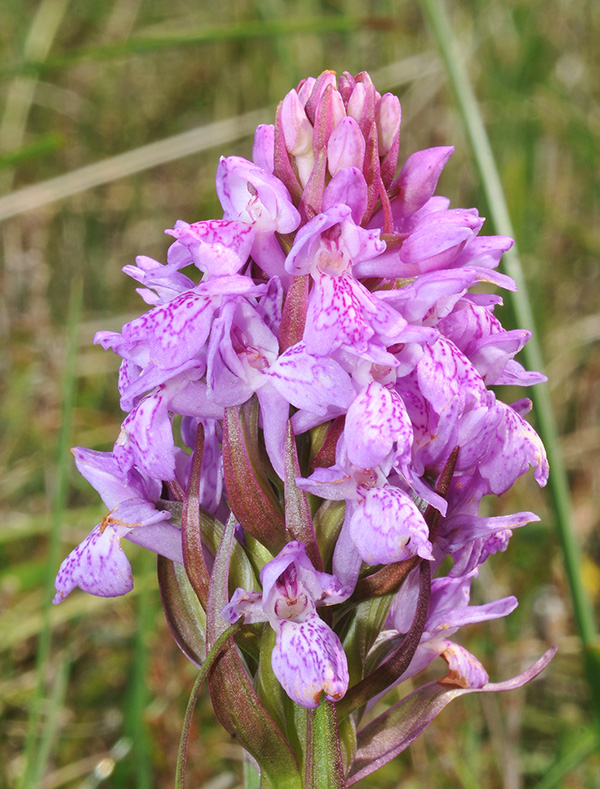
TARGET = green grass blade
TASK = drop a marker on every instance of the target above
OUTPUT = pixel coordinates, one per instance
(19, 98)
(272, 28)
(555, 777)
(51, 724)
(498, 211)
(32, 753)
(137, 768)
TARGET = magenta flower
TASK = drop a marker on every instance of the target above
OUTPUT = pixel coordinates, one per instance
(308, 658)
(310, 382)
(99, 565)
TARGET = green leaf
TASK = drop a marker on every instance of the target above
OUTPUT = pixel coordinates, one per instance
(185, 734)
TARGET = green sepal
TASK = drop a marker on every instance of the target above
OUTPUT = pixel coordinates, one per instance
(183, 612)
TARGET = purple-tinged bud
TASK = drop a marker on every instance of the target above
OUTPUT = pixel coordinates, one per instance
(324, 81)
(346, 146)
(298, 135)
(263, 150)
(387, 118)
(304, 89)
(346, 85)
(329, 113)
(361, 105)
(356, 102)
(418, 179)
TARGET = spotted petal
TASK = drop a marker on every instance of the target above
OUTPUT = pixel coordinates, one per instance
(388, 527)
(308, 660)
(98, 566)
(377, 420)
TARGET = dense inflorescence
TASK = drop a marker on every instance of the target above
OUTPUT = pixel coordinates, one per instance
(329, 362)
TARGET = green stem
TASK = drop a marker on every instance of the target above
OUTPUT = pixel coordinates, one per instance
(187, 721)
(559, 487)
(324, 769)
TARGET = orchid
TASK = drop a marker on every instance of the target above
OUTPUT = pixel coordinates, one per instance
(310, 434)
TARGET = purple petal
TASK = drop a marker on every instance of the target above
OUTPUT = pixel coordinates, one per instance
(348, 186)
(253, 195)
(146, 439)
(169, 335)
(98, 566)
(246, 604)
(465, 671)
(388, 527)
(102, 471)
(263, 152)
(310, 382)
(377, 420)
(516, 447)
(346, 146)
(308, 660)
(162, 537)
(217, 246)
(338, 314)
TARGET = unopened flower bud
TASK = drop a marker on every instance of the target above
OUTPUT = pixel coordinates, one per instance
(387, 117)
(346, 147)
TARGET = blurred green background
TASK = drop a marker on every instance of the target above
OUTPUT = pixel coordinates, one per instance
(80, 83)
